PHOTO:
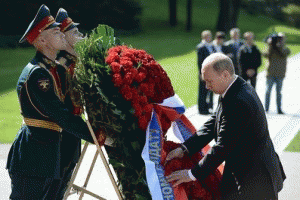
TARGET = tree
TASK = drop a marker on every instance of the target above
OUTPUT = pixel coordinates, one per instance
(173, 12)
(228, 14)
(189, 15)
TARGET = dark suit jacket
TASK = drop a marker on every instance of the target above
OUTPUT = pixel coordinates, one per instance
(202, 53)
(240, 130)
(234, 51)
(249, 60)
(224, 49)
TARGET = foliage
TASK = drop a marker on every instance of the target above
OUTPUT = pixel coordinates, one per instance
(291, 9)
(118, 85)
(120, 14)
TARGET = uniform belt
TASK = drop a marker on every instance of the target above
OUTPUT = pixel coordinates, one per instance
(42, 124)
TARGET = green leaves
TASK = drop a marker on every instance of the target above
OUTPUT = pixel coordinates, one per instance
(108, 110)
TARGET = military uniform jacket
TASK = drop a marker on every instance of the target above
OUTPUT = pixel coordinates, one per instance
(240, 130)
(73, 143)
(38, 151)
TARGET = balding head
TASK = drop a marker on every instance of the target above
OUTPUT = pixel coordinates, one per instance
(217, 72)
(219, 62)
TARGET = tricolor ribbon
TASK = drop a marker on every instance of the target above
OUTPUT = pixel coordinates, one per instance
(173, 108)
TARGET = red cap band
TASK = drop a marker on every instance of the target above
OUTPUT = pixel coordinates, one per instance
(65, 24)
(40, 27)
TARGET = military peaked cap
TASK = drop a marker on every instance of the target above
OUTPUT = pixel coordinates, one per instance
(66, 22)
(42, 21)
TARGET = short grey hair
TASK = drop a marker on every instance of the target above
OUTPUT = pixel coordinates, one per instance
(234, 30)
(205, 33)
(220, 62)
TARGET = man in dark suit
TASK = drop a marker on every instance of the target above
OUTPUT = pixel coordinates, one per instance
(239, 126)
(35, 163)
(219, 43)
(249, 59)
(234, 45)
(204, 49)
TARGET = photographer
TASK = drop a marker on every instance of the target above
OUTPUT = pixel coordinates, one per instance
(277, 55)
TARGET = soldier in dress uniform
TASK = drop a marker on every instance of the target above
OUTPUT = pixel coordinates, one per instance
(67, 58)
(35, 161)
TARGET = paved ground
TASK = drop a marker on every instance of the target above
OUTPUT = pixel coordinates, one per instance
(282, 130)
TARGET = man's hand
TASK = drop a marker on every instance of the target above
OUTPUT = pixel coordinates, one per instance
(176, 153)
(178, 177)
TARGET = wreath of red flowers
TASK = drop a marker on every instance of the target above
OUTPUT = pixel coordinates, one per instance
(140, 79)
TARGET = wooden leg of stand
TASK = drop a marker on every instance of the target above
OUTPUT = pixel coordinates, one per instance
(70, 184)
(108, 170)
(89, 174)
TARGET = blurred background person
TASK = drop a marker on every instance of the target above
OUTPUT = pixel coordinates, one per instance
(234, 45)
(219, 42)
(277, 56)
(204, 49)
(249, 58)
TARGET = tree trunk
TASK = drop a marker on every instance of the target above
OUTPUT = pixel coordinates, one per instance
(236, 4)
(228, 14)
(189, 15)
(173, 12)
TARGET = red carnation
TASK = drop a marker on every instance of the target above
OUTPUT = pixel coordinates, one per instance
(135, 96)
(141, 54)
(115, 67)
(150, 92)
(143, 88)
(140, 77)
(148, 108)
(137, 109)
(126, 92)
(142, 69)
(112, 58)
(134, 72)
(128, 78)
(146, 64)
(143, 100)
(126, 62)
(128, 53)
(117, 79)
(143, 123)
(116, 49)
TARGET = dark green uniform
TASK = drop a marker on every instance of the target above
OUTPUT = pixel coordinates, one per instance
(42, 152)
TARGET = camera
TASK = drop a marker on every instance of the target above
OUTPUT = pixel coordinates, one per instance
(274, 39)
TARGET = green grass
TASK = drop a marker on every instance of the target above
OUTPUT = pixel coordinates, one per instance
(12, 61)
(172, 47)
(10, 117)
(294, 145)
